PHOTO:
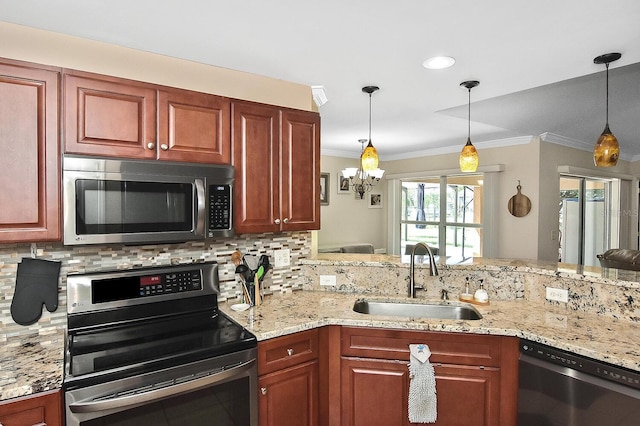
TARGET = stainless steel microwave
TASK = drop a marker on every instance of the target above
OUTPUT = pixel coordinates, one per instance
(121, 201)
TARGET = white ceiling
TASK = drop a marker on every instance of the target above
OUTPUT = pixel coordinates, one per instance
(534, 61)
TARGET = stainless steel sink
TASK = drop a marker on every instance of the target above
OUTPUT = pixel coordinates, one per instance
(416, 310)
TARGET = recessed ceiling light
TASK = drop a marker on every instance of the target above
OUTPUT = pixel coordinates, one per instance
(439, 62)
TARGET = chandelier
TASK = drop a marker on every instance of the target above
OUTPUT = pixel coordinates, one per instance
(364, 177)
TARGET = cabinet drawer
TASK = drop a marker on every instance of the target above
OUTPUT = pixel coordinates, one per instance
(282, 352)
(446, 348)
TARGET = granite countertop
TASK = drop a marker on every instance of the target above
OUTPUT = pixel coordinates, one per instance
(35, 363)
(609, 340)
(31, 364)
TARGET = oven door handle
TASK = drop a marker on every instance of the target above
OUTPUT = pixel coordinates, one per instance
(118, 402)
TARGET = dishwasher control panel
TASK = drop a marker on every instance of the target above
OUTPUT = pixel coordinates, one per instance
(582, 363)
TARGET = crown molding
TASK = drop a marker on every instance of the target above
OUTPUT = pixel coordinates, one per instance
(581, 145)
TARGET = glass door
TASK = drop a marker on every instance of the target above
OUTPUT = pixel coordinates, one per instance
(583, 219)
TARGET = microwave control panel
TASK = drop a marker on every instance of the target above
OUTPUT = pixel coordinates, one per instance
(219, 208)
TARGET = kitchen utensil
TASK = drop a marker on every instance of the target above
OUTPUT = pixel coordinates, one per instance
(245, 291)
(264, 264)
(239, 307)
(519, 205)
(236, 257)
(260, 272)
(256, 284)
(251, 261)
(245, 272)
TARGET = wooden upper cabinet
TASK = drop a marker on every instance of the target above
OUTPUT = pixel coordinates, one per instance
(114, 117)
(29, 165)
(256, 154)
(194, 127)
(109, 117)
(300, 174)
(276, 154)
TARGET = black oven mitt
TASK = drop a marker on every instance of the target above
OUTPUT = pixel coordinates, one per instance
(36, 284)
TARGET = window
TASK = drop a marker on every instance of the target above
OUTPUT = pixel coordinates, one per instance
(443, 212)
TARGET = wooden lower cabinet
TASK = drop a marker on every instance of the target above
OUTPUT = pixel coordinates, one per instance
(288, 380)
(40, 409)
(359, 376)
(476, 377)
(376, 392)
(289, 397)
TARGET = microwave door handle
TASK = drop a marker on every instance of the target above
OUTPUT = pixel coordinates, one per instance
(154, 395)
(201, 207)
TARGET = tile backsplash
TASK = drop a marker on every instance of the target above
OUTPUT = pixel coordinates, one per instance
(82, 259)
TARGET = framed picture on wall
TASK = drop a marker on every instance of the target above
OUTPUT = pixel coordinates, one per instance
(343, 184)
(324, 189)
(375, 200)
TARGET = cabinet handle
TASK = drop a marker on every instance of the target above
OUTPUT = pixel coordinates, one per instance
(151, 145)
(285, 220)
(164, 147)
(263, 391)
(277, 221)
(290, 351)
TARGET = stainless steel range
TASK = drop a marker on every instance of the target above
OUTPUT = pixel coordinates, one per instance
(149, 347)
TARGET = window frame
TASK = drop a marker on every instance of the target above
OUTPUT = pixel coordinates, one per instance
(489, 206)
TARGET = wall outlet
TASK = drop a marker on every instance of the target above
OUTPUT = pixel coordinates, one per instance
(329, 280)
(282, 258)
(557, 294)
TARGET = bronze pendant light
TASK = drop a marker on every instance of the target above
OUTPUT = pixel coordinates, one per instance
(607, 149)
(469, 154)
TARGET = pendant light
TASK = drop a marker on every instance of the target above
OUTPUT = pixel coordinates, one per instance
(469, 154)
(369, 157)
(364, 177)
(607, 149)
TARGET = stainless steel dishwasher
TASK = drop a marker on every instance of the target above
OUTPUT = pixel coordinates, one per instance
(558, 388)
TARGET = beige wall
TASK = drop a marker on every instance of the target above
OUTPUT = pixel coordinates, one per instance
(45, 47)
(346, 219)
(517, 236)
(534, 164)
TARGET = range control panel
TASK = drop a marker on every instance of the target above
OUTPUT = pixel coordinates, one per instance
(137, 286)
(151, 285)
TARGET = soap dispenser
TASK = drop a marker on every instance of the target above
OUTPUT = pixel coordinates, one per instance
(467, 293)
(481, 295)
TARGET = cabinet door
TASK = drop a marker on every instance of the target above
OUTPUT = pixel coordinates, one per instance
(39, 409)
(300, 174)
(107, 116)
(467, 395)
(256, 154)
(29, 165)
(194, 127)
(376, 392)
(289, 397)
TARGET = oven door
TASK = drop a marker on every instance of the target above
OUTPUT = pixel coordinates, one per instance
(220, 391)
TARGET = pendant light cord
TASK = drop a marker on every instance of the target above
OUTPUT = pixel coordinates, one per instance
(469, 115)
(370, 116)
(607, 109)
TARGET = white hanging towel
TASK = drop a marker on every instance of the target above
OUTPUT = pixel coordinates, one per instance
(422, 387)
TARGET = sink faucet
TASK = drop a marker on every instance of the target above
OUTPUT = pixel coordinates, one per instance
(433, 270)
